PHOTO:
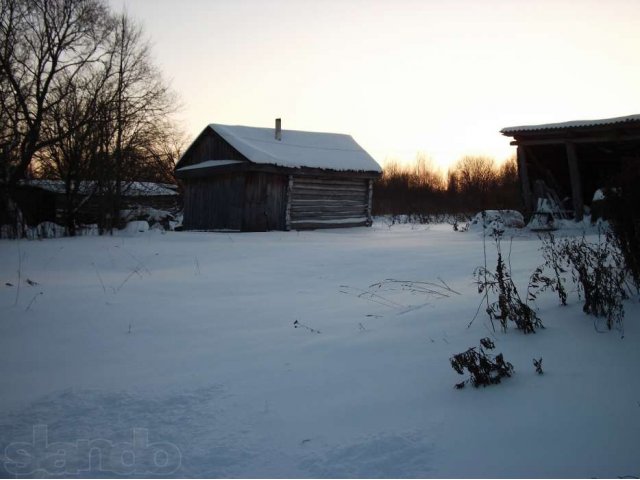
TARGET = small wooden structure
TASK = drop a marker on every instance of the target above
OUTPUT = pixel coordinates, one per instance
(45, 200)
(573, 159)
(260, 179)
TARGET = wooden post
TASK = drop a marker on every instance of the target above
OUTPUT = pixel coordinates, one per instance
(523, 173)
(370, 202)
(287, 214)
(576, 185)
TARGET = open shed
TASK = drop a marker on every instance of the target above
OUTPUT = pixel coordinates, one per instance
(259, 179)
(42, 200)
(573, 159)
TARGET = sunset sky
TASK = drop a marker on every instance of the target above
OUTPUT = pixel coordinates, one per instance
(400, 76)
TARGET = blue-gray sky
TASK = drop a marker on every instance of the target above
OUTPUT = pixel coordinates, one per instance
(401, 76)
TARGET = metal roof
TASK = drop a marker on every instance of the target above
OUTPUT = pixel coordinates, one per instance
(572, 124)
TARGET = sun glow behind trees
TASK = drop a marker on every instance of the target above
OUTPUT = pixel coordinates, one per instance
(403, 76)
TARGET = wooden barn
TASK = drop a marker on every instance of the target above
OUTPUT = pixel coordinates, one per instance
(260, 179)
(573, 159)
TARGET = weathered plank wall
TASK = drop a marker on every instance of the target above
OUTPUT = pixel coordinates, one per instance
(214, 203)
(36, 205)
(322, 202)
(159, 202)
(211, 146)
(264, 202)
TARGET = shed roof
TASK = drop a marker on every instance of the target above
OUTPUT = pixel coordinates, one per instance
(132, 189)
(208, 164)
(296, 149)
(509, 131)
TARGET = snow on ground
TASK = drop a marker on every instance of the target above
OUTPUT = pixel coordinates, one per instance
(149, 354)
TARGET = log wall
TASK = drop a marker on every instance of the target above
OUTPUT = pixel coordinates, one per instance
(329, 202)
(261, 201)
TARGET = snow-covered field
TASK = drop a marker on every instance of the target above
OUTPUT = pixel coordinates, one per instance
(176, 354)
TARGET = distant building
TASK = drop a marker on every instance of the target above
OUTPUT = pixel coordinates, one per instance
(573, 159)
(259, 179)
(45, 200)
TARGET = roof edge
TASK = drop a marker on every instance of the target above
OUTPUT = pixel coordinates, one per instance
(188, 149)
(508, 131)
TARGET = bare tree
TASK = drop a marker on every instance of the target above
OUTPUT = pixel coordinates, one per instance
(75, 157)
(81, 101)
(161, 154)
(46, 46)
(476, 172)
(474, 183)
(425, 174)
(136, 124)
(9, 136)
(475, 178)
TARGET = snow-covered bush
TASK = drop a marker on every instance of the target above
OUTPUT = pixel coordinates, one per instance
(156, 219)
(45, 230)
(497, 220)
(38, 232)
(137, 226)
(598, 271)
(537, 363)
(553, 261)
(484, 369)
(420, 219)
(509, 304)
(596, 268)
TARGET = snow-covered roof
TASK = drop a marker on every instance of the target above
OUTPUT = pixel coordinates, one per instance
(296, 149)
(132, 189)
(571, 124)
(208, 163)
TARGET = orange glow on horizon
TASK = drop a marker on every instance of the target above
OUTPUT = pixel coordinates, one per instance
(401, 77)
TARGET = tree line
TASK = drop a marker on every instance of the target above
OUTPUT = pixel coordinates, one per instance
(473, 184)
(81, 101)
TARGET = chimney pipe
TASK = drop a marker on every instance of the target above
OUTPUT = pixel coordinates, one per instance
(278, 129)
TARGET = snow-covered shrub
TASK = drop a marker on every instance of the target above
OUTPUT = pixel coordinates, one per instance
(484, 369)
(552, 261)
(419, 219)
(509, 304)
(497, 220)
(138, 226)
(45, 230)
(155, 218)
(537, 363)
(460, 222)
(598, 271)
